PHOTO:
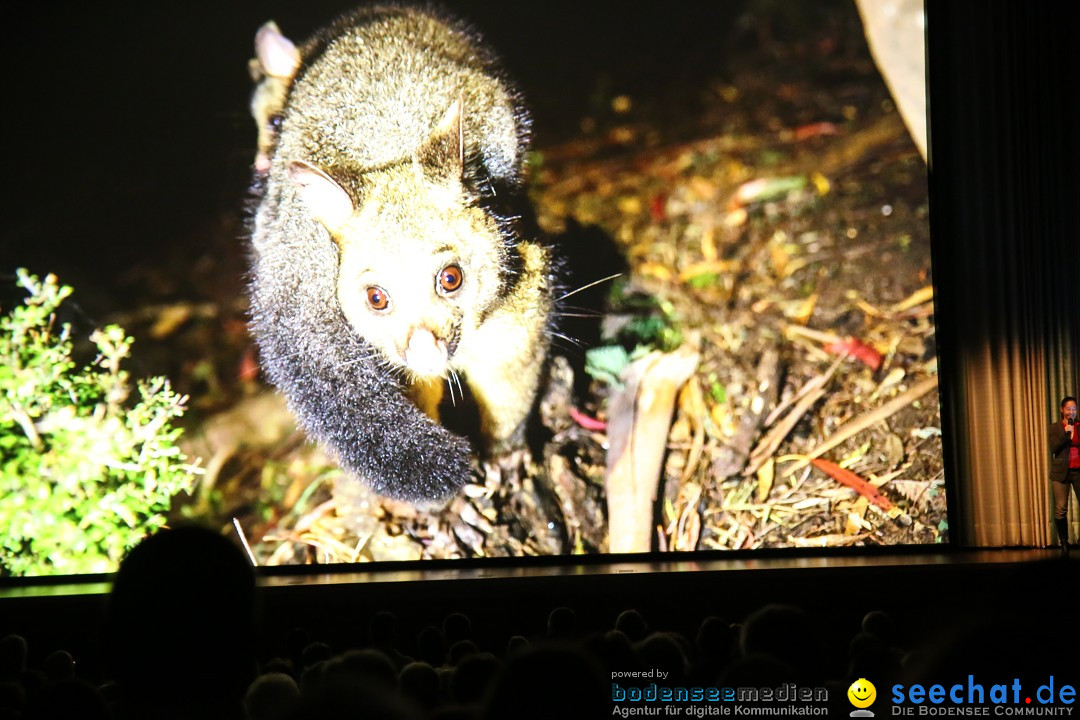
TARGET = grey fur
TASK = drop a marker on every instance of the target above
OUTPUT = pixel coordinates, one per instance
(368, 91)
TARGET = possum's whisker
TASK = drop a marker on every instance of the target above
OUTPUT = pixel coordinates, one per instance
(586, 287)
(570, 350)
(450, 386)
(573, 341)
(578, 315)
(398, 372)
(457, 379)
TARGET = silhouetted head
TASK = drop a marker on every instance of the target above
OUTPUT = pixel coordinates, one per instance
(461, 650)
(569, 681)
(456, 626)
(366, 699)
(420, 682)
(273, 696)
(315, 652)
(432, 646)
(69, 698)
(180, 626)
(361, 666)
(870, 657)
(562, 623)
(879, 624)
(614, 651)
(59, 665)
(714, 640)
(517, 645)
(12, 657)
(663, 652)
(632, 624)
(785, 633)
(473, 677)
(298, 639)
(278, 665)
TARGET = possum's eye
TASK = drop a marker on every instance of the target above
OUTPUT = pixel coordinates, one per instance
(377, 298)
(450, 278)
(274, 121)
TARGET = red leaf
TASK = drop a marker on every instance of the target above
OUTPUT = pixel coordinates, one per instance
(858, 349)
(805, 132)
(658, 207)
(846, 477)
(249, 366)
(587, 422)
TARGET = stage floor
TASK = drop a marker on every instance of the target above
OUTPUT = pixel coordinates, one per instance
(933, 592)
(510, 569)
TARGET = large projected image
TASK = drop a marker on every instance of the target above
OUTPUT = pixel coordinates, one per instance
(556, 281)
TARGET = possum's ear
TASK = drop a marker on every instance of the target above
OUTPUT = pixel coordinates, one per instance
(442, 156)
(325, 199)
(275, 54)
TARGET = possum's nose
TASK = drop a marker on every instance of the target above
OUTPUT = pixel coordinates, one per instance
(426, 354)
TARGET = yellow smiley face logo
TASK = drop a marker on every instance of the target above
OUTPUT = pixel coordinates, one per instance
(862, 693)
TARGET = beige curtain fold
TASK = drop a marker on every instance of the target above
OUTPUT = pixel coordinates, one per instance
(1008, 483)
(1010, 394)
(1005, 213)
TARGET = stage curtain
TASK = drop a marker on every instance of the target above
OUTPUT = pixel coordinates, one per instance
(1005, 224)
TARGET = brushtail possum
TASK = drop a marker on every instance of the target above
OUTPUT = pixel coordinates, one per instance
(391, 254)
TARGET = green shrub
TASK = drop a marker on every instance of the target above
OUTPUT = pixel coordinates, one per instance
(84, 473)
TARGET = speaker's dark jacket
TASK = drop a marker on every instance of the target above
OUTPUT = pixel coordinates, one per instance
(1059, 452)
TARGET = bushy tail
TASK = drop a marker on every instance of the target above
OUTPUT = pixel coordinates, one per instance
(345, 397)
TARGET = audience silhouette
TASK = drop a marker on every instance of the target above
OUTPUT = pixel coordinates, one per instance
(179, 641)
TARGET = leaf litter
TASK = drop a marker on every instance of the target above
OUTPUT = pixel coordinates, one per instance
(790, 258)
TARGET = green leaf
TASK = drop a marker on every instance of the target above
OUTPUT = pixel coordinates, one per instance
(717, 391)
(606, 363)
(84, 473)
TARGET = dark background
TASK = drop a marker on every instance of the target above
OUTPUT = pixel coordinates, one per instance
(129, 142)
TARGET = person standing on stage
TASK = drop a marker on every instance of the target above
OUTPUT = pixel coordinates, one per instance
(1065, 466)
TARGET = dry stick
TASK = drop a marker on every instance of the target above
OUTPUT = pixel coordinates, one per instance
(638, 427)
(771, 442)
(696, 413)
(864, 421)
(809, 394)
(814, 384)
(244, 542)
(817, 335)
(737, 453)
